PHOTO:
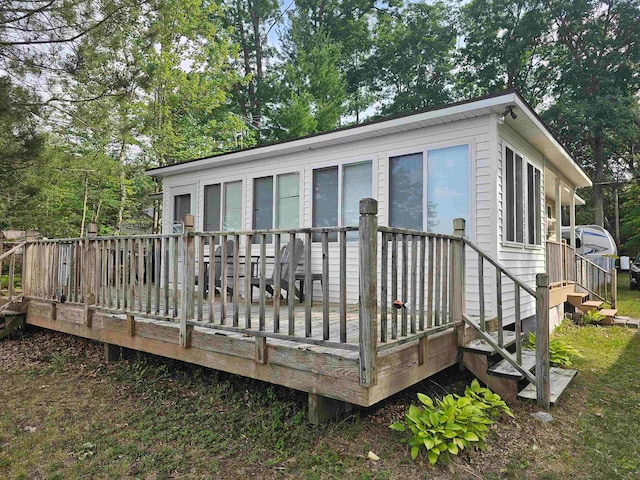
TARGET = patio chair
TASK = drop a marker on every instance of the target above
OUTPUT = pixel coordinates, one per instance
(298, 251)
(217, 268)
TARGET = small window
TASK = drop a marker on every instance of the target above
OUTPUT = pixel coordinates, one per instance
(263, 203)
(406, 191)
(181, 207)
(232, 219)
(212, 204)
(354, 181)
(288, 201)
(514, 208)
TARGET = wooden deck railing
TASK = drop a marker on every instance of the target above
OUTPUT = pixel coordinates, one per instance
(596, 280)
(561, 263)
(391, 287)
(13, 258)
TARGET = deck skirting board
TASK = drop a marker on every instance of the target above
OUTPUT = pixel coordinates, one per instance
(318, 370)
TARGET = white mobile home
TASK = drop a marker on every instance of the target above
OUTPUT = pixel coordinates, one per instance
(412, 243)
(489, 160)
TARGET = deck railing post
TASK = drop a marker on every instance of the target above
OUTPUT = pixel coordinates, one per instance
(368, 290)
(188, 278)
(89, 283)
(458, 277)
(614, 287)
(542, 341)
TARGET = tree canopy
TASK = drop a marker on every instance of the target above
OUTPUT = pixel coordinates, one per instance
(92, 93)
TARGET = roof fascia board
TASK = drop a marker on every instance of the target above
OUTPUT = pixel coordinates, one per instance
(524, 106)
(315, 141)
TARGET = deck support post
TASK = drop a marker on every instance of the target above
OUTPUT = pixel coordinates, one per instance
(188, 279)
(543, 391)
(323, 409)
(368, 290)
(89, 282)
(458, 278)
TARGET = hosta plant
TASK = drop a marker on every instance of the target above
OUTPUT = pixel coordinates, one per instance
(560, 353)
(592, 317)
(446, 427)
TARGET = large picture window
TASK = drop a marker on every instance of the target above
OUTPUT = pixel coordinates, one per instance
(222, 207)
(337, 192)
(522, 186)
(276, 202)
(428, 195)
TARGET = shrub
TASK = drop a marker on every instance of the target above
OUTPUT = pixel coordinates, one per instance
(448, 426)
(592, 317)
(560, 353)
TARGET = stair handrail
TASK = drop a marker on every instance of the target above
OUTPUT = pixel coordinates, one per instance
(13, 250)
(608, 278)
(500, 267)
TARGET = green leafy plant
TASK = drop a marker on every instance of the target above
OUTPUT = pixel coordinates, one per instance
(560, 353)
(448, 426)
(592, 317)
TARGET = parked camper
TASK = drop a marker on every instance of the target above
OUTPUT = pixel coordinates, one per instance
(592, 240)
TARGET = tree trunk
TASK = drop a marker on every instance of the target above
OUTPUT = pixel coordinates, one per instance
(598, 196)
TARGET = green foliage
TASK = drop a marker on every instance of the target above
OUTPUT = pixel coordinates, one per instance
(448, 426)
(592, 317)
(560, 352)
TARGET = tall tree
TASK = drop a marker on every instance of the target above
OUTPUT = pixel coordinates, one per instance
(504, 44)
(597, 56)
(412, 59)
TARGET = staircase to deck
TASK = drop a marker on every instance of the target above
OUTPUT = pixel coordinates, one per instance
(10, 318)
(496, 353)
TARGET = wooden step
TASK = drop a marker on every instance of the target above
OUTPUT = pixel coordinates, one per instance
(560, 379)
(11, 322)
(479, 345)
(586, 307)
(609, 314)
(9, 313)
(506, 370)
(576, 299)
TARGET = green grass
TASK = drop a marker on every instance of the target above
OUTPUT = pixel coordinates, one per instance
(67, 414)
(628, 300)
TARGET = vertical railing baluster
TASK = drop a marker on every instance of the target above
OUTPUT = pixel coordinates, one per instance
(384, 273)
(201, 277)
(247, 285)
(438, 281)
(291, 283)
(430, 313)
(518, 324)
(343, 287)
(175, 242)
(277, 288)
(483, 326)
(157, 246)
(499, 306)
(422, 274)
(223, 279)
(445, 281)
(263, 281)
(394, 284)
(308, 282)
(414, 282)
(141, 289)
(148, 273)
(212, 278)
(405, 284)
(236, 278)
(166, 261)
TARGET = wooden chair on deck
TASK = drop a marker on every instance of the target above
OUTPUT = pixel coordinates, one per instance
(217, 267)
(298, 251)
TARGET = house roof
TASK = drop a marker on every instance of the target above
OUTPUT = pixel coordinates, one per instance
(528, 124)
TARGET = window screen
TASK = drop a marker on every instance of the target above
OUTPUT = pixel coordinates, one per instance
(181, 207)
(447, 187)
(263, 203)
(406, 191)
(212, 208)
(325, 198)
(356, 185)
(288, 201)
(232, 206)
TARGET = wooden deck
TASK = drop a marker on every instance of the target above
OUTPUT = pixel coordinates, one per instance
(317, 369)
